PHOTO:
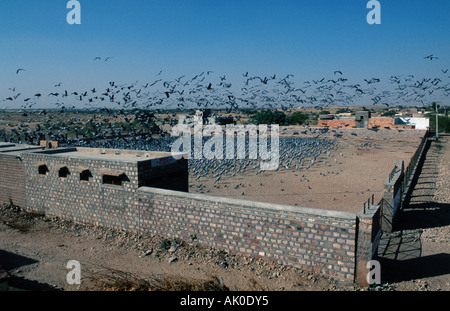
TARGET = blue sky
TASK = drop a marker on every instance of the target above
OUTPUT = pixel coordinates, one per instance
(307, 38)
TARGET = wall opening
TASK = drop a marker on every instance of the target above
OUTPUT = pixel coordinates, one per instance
(63, 172)
(113, 180)
(43, 169)
(85, 175)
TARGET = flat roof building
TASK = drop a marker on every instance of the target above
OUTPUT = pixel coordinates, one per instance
(69, 182)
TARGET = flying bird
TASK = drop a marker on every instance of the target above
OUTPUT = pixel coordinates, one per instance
(431, 57)
(20, 69)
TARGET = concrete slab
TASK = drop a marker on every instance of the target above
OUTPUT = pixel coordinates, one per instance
(112, 155)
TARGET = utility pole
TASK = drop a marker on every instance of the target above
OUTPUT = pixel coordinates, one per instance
(437, 126)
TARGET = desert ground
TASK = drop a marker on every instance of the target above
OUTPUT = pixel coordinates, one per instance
(342, 181)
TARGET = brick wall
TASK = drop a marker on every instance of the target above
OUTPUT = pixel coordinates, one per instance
(12, 180)
(381, 122)
(81, 201)
(314, 240)
(93, 201)
(337, 123)
(386, 122)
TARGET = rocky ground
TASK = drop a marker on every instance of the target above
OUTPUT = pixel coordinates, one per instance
(35, 250)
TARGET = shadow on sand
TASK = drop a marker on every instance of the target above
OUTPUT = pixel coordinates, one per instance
(10, 261)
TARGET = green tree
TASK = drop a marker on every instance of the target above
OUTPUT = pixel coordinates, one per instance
(297, 118)
(389, 113)
(443, 123)
(269, 117)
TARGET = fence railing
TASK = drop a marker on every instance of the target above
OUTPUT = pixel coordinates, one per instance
(398, 185)
(411, 169)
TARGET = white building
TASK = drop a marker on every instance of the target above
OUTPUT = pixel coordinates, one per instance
(419, 123)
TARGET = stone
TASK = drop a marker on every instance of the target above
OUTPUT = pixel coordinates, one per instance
(172, 249)
(149, 252)
(173, 259)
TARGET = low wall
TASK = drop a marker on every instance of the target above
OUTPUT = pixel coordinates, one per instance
(399, 184)
(337, 123)
(314, 240)
(12, 185)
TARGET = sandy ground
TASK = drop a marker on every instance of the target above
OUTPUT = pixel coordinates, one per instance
(362, 165)
(34, 252)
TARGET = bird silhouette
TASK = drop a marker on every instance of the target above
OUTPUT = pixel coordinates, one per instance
(431, 57)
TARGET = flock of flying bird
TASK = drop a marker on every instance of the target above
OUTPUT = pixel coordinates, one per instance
(205, 90)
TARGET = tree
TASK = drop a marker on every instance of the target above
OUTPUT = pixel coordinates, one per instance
(443, 124)
(297, 117)
(269, 117)
(389, 113)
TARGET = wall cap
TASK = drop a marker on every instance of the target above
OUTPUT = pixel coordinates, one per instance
(248, 203)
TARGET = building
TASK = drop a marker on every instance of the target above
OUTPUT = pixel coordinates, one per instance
(12, 178)
(362, 119)
(87, 185)
(345, 120)
(381, 122)
(416, 123)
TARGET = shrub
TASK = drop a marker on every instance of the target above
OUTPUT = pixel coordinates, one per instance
(297, 118)
(269, 117)
(443, 124)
